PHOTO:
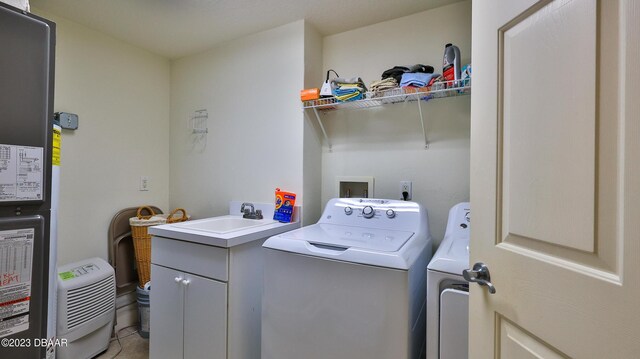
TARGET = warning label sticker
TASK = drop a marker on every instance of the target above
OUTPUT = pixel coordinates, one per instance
(11, 326)
(16, 252)
(57, 136)
(21, 173)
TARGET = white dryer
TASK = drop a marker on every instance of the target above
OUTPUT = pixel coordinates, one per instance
(352, 285)
(448, 292)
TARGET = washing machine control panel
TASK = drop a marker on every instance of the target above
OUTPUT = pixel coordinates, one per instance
(459, 223)
(368, 212)
(465, 222)
(376, 213)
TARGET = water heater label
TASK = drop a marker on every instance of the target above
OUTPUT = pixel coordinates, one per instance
(16, 250)
(57, 137)
(21, 173)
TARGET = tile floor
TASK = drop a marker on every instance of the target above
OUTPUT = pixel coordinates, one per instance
(133, 346)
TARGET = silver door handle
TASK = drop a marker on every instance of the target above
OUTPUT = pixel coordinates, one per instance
(177, 279)
(479, 274)
(186, 282)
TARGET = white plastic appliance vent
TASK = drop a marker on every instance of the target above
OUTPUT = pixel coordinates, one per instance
(86, 307)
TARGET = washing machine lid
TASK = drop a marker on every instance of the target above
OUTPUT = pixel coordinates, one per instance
(340, 236)
(452, 255)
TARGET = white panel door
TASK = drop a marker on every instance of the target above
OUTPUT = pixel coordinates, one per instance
(555, 178)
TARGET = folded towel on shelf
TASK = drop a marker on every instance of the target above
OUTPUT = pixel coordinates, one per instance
(348, 89)
(349, 96)
(418, 79)
(381, 85)
(342, 91)
(351, 80)
(358, 87)
(339, 81)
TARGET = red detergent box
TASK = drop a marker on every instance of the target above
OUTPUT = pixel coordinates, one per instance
(284, 206)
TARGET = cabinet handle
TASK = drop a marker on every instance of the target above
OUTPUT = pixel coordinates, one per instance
(178, 279)
(186, 282)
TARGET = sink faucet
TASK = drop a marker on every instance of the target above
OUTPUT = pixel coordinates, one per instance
(250, 213)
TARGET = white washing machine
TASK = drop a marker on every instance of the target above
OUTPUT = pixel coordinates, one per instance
(351, 286)
(448, 292)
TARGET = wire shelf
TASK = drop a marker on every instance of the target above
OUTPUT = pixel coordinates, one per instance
(396, 95)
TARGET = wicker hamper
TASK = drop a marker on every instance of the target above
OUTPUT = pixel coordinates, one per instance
(142, 239)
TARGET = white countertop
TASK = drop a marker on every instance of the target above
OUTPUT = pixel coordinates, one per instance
(225, 240)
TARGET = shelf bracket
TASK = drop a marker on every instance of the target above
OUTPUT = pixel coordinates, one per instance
(324, 132)
(424, 129)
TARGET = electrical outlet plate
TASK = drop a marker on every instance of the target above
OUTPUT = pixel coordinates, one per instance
(405, 186)
(144, 183)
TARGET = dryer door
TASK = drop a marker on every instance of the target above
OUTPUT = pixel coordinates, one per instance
(454, 324)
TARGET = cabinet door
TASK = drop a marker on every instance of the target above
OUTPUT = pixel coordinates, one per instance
(205, 318)
(167, 302)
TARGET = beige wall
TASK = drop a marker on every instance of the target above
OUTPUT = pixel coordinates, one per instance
(387, 143)
(121, 94)
(250, 88)
(134, 106)
(312, 161)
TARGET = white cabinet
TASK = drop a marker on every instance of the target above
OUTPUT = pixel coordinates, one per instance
(205, 300)
(194, 323)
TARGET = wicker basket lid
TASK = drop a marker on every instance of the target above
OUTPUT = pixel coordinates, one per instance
(152, 219)
(146, 222)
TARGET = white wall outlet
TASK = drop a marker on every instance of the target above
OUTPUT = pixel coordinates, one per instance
(405, 186)
(145, 183)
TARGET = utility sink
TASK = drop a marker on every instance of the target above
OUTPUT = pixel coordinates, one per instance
(224, 224)
(226, 231)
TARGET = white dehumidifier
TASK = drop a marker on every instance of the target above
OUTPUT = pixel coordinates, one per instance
(86, 308)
